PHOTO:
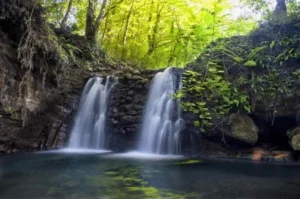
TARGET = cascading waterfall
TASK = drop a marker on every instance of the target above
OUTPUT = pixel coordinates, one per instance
(89, 130)
(161, 126)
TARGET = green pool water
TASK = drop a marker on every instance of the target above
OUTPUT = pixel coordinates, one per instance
(112, 176)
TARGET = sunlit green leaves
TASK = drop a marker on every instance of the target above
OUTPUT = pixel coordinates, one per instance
(155, 33)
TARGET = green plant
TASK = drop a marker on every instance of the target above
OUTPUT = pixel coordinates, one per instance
(213, 97)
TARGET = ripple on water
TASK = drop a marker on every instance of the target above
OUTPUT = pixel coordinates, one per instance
(77, 151)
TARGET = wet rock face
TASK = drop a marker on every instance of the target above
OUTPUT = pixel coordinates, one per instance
(125, 110)
(37, 103)
(46, 130)
(43, 133)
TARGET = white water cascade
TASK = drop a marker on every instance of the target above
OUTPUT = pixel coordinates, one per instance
(89, 130)
(161, 126)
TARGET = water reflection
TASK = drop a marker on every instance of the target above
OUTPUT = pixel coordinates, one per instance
(127, 180)
(101, 176)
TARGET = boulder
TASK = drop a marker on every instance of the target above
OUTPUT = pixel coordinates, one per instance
(128, 75)
(136, 72)
(136, 77)
(294, 138)
(242, 128)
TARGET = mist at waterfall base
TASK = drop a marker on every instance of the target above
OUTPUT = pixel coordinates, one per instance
(89, 129)
(160, 132)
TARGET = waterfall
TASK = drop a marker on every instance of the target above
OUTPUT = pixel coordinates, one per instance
(89, 130)
(160, 132)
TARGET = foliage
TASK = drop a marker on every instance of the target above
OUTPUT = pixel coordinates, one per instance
(56, 10)
(67, 51)
(266, 7)
(232, 74)
(214, 96)
(241, 73)
(158, 34)
(154, 33)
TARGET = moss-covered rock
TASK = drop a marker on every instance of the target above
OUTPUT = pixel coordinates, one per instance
(294, 138)
(136, 72)
(295, 142)
(128, 75)
(137, 77)
(243, 128)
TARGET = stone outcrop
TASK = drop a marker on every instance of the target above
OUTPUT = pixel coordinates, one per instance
(48, 129)
(125, 108)
(294, 138)
(242, 128)
(38, 90)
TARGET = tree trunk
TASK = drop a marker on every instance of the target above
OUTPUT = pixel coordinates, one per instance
(119, 34)
(149, 35)
(106, 22)
(124, 39)
(173, 45)
(99, 19)
(280, 10)
(65, 19)
(90, 16)
(152, 42)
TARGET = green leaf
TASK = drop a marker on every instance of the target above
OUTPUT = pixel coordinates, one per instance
(196, 123)
(238, 59)
(250, 63)
(272, 44)
(201, 103)
(247, 108)
(212, 69)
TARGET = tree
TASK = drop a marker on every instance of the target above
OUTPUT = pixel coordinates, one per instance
(263, 5)
(93, 21)
(280, 10)
(149, 33)
(65, 19)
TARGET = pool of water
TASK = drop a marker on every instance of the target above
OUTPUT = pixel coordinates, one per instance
(134, 176)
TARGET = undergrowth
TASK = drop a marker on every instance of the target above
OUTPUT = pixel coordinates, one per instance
(241, 74)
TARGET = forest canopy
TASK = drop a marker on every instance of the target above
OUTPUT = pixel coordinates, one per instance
(159, 33)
